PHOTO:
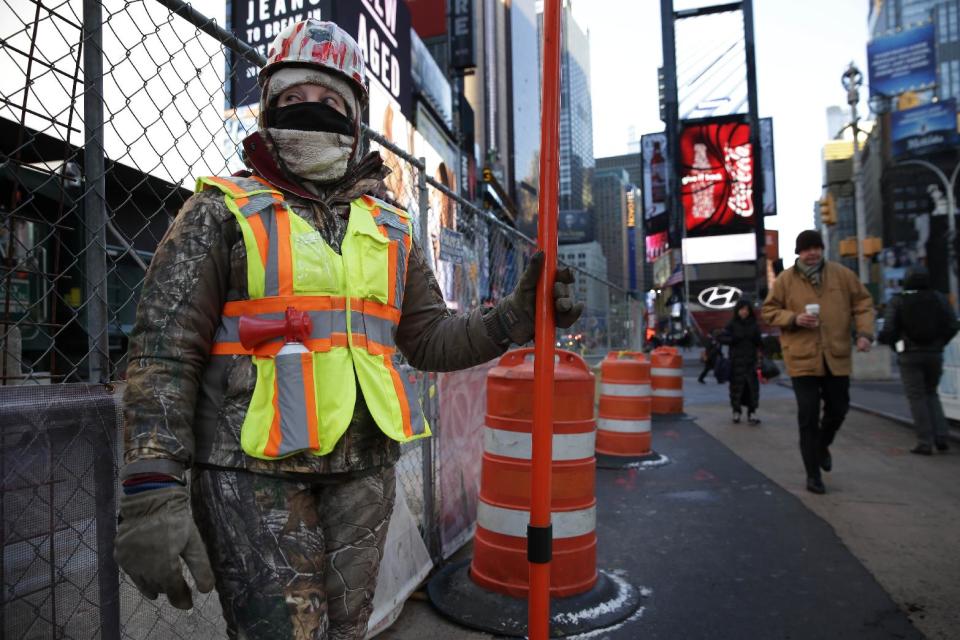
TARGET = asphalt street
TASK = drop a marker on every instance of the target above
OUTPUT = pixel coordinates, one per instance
(725, 542)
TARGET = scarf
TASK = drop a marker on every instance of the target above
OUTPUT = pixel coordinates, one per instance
(314, 156)
(813, 274)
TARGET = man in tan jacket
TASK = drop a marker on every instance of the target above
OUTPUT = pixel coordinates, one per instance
(818, 305)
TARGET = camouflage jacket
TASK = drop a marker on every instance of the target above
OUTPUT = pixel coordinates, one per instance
(183, 406)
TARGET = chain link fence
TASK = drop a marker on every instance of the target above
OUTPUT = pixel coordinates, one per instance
(109, 111)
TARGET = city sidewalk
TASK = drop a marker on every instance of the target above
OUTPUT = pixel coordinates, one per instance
(730, 545)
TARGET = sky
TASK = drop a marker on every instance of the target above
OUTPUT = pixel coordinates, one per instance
(802, 49)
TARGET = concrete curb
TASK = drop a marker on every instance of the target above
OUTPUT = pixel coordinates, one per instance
(953, 434)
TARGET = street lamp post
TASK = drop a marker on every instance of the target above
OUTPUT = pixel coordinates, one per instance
(852, 81)
(948, 186)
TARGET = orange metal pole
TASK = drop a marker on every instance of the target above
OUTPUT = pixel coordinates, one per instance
(539, 532)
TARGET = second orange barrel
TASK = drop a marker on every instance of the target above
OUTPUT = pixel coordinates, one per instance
(623, 428)
(666, 374)
(503, 512)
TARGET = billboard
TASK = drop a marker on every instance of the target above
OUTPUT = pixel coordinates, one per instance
(904, 61)
(382, 29)
(741, 247)
(716, 179)
(925, 129)
(656, 244)
(769, 171)
(257, 24)
(462, 54)
(653, 148)
(574, 226)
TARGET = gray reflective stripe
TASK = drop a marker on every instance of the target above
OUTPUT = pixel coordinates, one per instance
(393, 220)
(513, 522)
(624, 390)
(271, 273)
(257, 204)
(248, 185)
(401, 274)
(623, 426)
(515, 444)
(375, 329)
(417, 423)
(326, 323)
(668, 393)
(291, 403)
(662, 372)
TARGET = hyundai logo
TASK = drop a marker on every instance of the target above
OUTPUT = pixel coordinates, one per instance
(720, 297)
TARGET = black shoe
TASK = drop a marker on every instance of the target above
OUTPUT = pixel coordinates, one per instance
(736, 418)
(826, 460)
(752, 418)
(922, 450)
(942, 446)
(815, 485)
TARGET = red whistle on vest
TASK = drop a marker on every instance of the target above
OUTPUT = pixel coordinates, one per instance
(294, 327)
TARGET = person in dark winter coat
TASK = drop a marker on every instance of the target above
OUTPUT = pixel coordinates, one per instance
(742, 334)
(710, 352)
(922, 319)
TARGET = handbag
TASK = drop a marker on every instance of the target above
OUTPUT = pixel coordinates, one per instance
(768, 369)
(722, 369)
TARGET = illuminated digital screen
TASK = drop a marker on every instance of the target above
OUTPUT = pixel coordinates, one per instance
(716, 179)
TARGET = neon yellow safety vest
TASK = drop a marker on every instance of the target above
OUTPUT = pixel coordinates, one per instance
(305, 401)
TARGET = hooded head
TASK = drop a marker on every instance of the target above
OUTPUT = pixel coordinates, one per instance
(918, 278)
(743, 303)
(312, 94)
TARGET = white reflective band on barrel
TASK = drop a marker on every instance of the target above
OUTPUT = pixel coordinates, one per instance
(668, 393)
(624, 390)
(513, 522)
(623, 426)
(666, 373)
(513, 444)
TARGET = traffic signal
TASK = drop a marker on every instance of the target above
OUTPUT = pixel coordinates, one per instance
(828, 209)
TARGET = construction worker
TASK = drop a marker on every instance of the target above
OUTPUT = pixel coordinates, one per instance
(264, 360)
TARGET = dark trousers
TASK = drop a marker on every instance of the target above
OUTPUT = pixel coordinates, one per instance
(920, 372)
(816, 432)
(707, 367)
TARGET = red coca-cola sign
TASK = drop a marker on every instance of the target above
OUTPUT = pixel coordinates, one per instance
(716, 179)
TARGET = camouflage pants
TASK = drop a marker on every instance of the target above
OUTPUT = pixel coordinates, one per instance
(294, 560)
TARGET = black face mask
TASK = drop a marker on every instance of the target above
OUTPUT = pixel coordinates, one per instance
(309, 116)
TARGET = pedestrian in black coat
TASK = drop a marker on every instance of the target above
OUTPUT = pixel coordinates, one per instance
(710, 352)
(742, 334)
(919, 323)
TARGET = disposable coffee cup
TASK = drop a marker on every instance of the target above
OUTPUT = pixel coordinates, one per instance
(813, 309)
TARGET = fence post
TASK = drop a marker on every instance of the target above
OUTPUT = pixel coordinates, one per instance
(94, 213)
(429, 539)
(94, 198)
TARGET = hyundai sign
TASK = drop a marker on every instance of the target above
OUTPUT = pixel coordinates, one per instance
(904, 61)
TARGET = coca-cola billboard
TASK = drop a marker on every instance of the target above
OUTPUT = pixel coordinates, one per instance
(716, 179)
(656, 165)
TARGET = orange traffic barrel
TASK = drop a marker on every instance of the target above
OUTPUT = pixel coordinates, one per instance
(503, 512)
(489, 592)
(623, 428)
(666, 374)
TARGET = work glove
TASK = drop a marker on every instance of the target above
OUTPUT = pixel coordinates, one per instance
(517, 311)
(156, 529)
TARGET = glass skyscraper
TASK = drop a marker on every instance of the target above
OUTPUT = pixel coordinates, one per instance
(576, 113)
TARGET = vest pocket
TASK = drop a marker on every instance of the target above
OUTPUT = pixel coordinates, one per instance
(315, 265)
(373, 250)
